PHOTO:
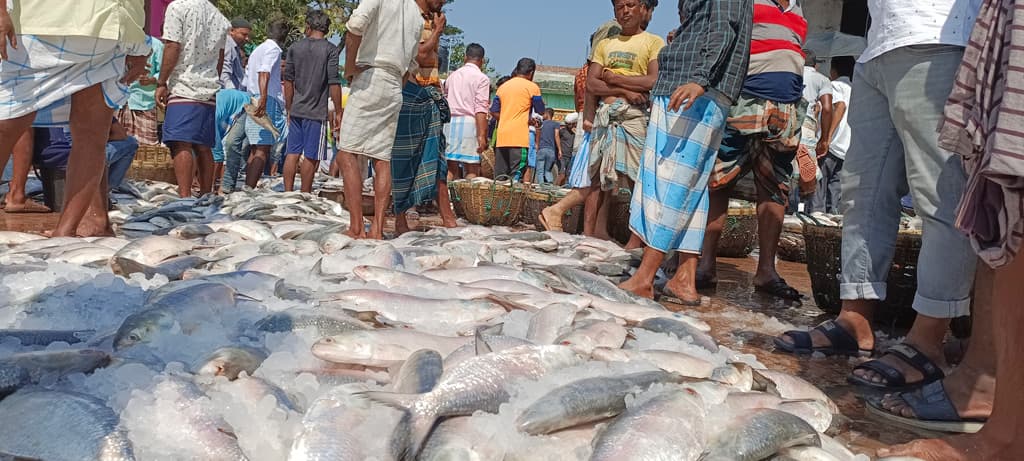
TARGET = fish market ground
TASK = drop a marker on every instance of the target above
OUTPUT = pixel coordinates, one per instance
(741, 319)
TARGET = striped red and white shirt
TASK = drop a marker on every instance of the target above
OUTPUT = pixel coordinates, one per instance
(776, 57)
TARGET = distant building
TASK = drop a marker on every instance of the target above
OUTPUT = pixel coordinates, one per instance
(556, 86)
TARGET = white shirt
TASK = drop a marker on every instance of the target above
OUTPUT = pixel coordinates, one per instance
(265, 58)
(900, 23)
(816, 86)
(391, 31)
(200, 28)
(841, 91)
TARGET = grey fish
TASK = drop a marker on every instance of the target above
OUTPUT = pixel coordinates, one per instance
(191, 231)
(586, 400)
(230, 362)
(47, 337)
(328, 432)
(478, 384)
(759, 434)
(585, 282)
(61, 426)
(667, 426)
(493, 343)
(327, 322)
(173, 269)
(419, 373)
(681, 330)
(59, 363)
(12, 378)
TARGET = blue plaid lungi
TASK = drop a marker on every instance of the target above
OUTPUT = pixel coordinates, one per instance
(579, 171)
(45, 71)
(670, 200)
(462, 140)
(416, 164)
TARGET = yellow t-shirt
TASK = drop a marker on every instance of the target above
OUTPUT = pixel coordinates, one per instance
(628, 56)
(106, 19)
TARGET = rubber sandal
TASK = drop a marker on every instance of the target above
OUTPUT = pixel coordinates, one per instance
(667, 296)
(841, 343)
(895, 380)
(779, 289)
(933, 409)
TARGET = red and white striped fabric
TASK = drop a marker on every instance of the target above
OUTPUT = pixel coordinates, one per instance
(985, 124)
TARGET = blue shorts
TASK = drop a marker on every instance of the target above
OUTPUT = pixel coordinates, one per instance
(190, 121)
(260, 136)
(307, 137)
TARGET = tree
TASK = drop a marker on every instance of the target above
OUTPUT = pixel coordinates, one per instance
(457, 55)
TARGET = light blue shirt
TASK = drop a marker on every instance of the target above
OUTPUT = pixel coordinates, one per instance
(144, 97)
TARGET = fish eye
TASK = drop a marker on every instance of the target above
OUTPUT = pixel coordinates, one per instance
(134, 337)
(328, 340)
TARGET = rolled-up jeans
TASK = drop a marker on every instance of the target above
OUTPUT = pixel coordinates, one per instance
(236, 150)
(897, 103)
(119, 159)
(546, 159)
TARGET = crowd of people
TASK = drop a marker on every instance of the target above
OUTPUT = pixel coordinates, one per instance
(728, 105)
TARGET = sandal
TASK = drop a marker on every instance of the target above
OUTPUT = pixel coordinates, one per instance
(667, 296)
(932, 408)
(779, 289)
(894, 378)
(842, 343)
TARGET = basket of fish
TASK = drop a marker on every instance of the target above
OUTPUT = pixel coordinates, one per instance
(618, 215)
(824, 243)
(791, 243)
(152, 163)
(739, 236)
(488, 202)
(540, 198)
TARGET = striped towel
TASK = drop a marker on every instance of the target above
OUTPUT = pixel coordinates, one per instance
(670, 200)
(462, 143)
(983, 123)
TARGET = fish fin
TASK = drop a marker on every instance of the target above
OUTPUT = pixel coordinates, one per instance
(509, 305)
(412, 432)
(371, 317)
(482, 348)
(403, 402)
(318, 268)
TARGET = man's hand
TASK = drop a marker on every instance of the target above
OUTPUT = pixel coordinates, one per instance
(440, 22)
(685, 96)
(337, 123)
(822, 148)
(635, 98)
(7, 34)
(588, 125)
(162, 94)
(481, 144)
(261, 107)
(147, 81)
(136, 67)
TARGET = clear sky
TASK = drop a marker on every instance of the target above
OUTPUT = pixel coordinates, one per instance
(554, 32)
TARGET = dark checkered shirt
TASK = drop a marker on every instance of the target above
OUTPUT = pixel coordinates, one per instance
(711, 48)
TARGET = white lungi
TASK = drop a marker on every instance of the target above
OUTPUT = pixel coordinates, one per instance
(371, 115)
(462, 142)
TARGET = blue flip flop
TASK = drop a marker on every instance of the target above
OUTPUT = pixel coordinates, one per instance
(934, 411)
(841, 342)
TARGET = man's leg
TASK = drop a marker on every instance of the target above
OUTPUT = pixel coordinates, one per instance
(90, 127)
(472, 170)
(501, 162)
(453, 170)
(257, 162)
(204, 160)
(769, 228)
(291, 167)
(382, 197)
(553, 215)
(642, 282)
(308, 168)
(444, 205)
(353, 185)
(184, 166)
(591, 208)
(119, 159)
(17, 202)
(718, 210)
(236, 151)
(11, 132)
(833, 186)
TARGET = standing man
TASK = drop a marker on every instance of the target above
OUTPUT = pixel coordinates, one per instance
(382, 41)
(517, 99)
(418, 170)
(566, 140)
(139, 117)
(816, 134)
(700, 74)
(311, 76)
(762, 139)
(194, 32)
(829, 193)
(468, 91)
(549, 148)
(232, 77)
(76, 78)
(266, 123)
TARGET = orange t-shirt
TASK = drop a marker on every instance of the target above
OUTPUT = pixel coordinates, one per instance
(517, 100)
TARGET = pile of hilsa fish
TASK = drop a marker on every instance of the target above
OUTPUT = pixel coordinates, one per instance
(249, 327)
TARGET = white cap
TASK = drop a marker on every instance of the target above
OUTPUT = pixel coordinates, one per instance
(572, 118)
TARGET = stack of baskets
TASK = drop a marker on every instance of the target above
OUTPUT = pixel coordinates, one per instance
(739, 235)
(824, 264)
(488, 203)
(540, 197)
(152, 163)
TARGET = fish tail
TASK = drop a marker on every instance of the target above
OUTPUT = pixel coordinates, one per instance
(415, 426)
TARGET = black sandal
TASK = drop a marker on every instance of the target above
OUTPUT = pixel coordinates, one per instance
(895, 380)
(779, 289)
(842, 343)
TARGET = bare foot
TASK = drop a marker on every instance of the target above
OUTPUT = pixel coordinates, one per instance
(686, 294)
(971, 391)
(401, 224)
(95, 226)
(968, 447)
(26, 206)
(551, 220)
(448, 220)
(639, 288)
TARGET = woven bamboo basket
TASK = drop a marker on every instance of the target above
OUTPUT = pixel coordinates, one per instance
(491, 203)
(538, 199)
(618, 216)
(824, 264)
(339, 196)
(487, 163)
(739, 236)
(792, 247)
(152, 163)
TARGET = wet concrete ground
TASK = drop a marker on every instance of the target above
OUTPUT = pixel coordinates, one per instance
(742, 320)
